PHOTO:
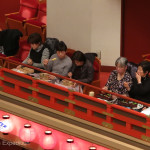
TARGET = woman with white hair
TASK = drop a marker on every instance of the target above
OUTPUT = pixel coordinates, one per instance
(117, 78)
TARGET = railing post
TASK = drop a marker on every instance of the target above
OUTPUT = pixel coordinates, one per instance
(34, 91)
(1, 74)
(17, 88)
(71, 96)
(109, 111)
(89, 113)
(128, 126)
(52, 100)
(148, 125)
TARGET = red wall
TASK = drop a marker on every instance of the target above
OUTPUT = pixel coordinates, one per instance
(7, 6)
(136, 29)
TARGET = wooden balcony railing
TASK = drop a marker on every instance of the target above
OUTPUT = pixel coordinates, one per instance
(82, 106)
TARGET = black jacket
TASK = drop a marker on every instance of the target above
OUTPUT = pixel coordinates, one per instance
(141, 91)
(132, 69)
(86, 72)
(9, 39)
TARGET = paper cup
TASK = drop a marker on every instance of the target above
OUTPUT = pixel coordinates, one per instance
(91, 93)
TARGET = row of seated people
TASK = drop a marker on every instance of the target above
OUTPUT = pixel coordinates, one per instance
(30, 18)
(71, 63)
(135, 85)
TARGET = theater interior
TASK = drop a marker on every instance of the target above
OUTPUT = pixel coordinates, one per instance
(40, 115)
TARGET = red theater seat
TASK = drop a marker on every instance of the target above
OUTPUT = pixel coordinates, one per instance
(23, 51)
(28, 9)
(2, 55)
(38, 24)
(96, 80)
(1, 59)
(146, 57)
(21, 55)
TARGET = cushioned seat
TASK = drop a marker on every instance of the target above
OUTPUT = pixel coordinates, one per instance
(24, 51)
(20, 56)
(28, 9)
(96, 66)
(1, 59)
(38, 24)
(96, 79)
(146, 57)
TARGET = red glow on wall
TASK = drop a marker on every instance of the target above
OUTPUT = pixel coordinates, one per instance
(35, 134)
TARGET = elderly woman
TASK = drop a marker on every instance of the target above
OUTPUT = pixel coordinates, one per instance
(141, 84)
(117, 78)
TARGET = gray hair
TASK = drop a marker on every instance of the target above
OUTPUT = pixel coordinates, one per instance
(122, 61)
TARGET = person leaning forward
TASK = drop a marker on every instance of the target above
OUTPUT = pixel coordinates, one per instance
(37, 53)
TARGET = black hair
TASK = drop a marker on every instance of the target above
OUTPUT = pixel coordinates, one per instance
(79, 56)
(61, 46)
(34, 38)
(145, 66)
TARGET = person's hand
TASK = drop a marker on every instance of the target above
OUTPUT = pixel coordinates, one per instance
(18, 67)
(74, 85)
(126, 85)
(138, 77)
(70, 74)
(125, 95)
(30, 62)
(104, 88)
(114, 97)
(45, 62)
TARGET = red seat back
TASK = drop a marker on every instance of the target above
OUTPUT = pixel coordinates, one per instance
(70, 52)
(24, 50)
(42, 13)
(96, 66)
(146, 57)
(28, 8)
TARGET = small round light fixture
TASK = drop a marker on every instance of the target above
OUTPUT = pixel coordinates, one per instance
(6, 125)
(27, 134)
(48, 140)
(70, 144)
(92, 148)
